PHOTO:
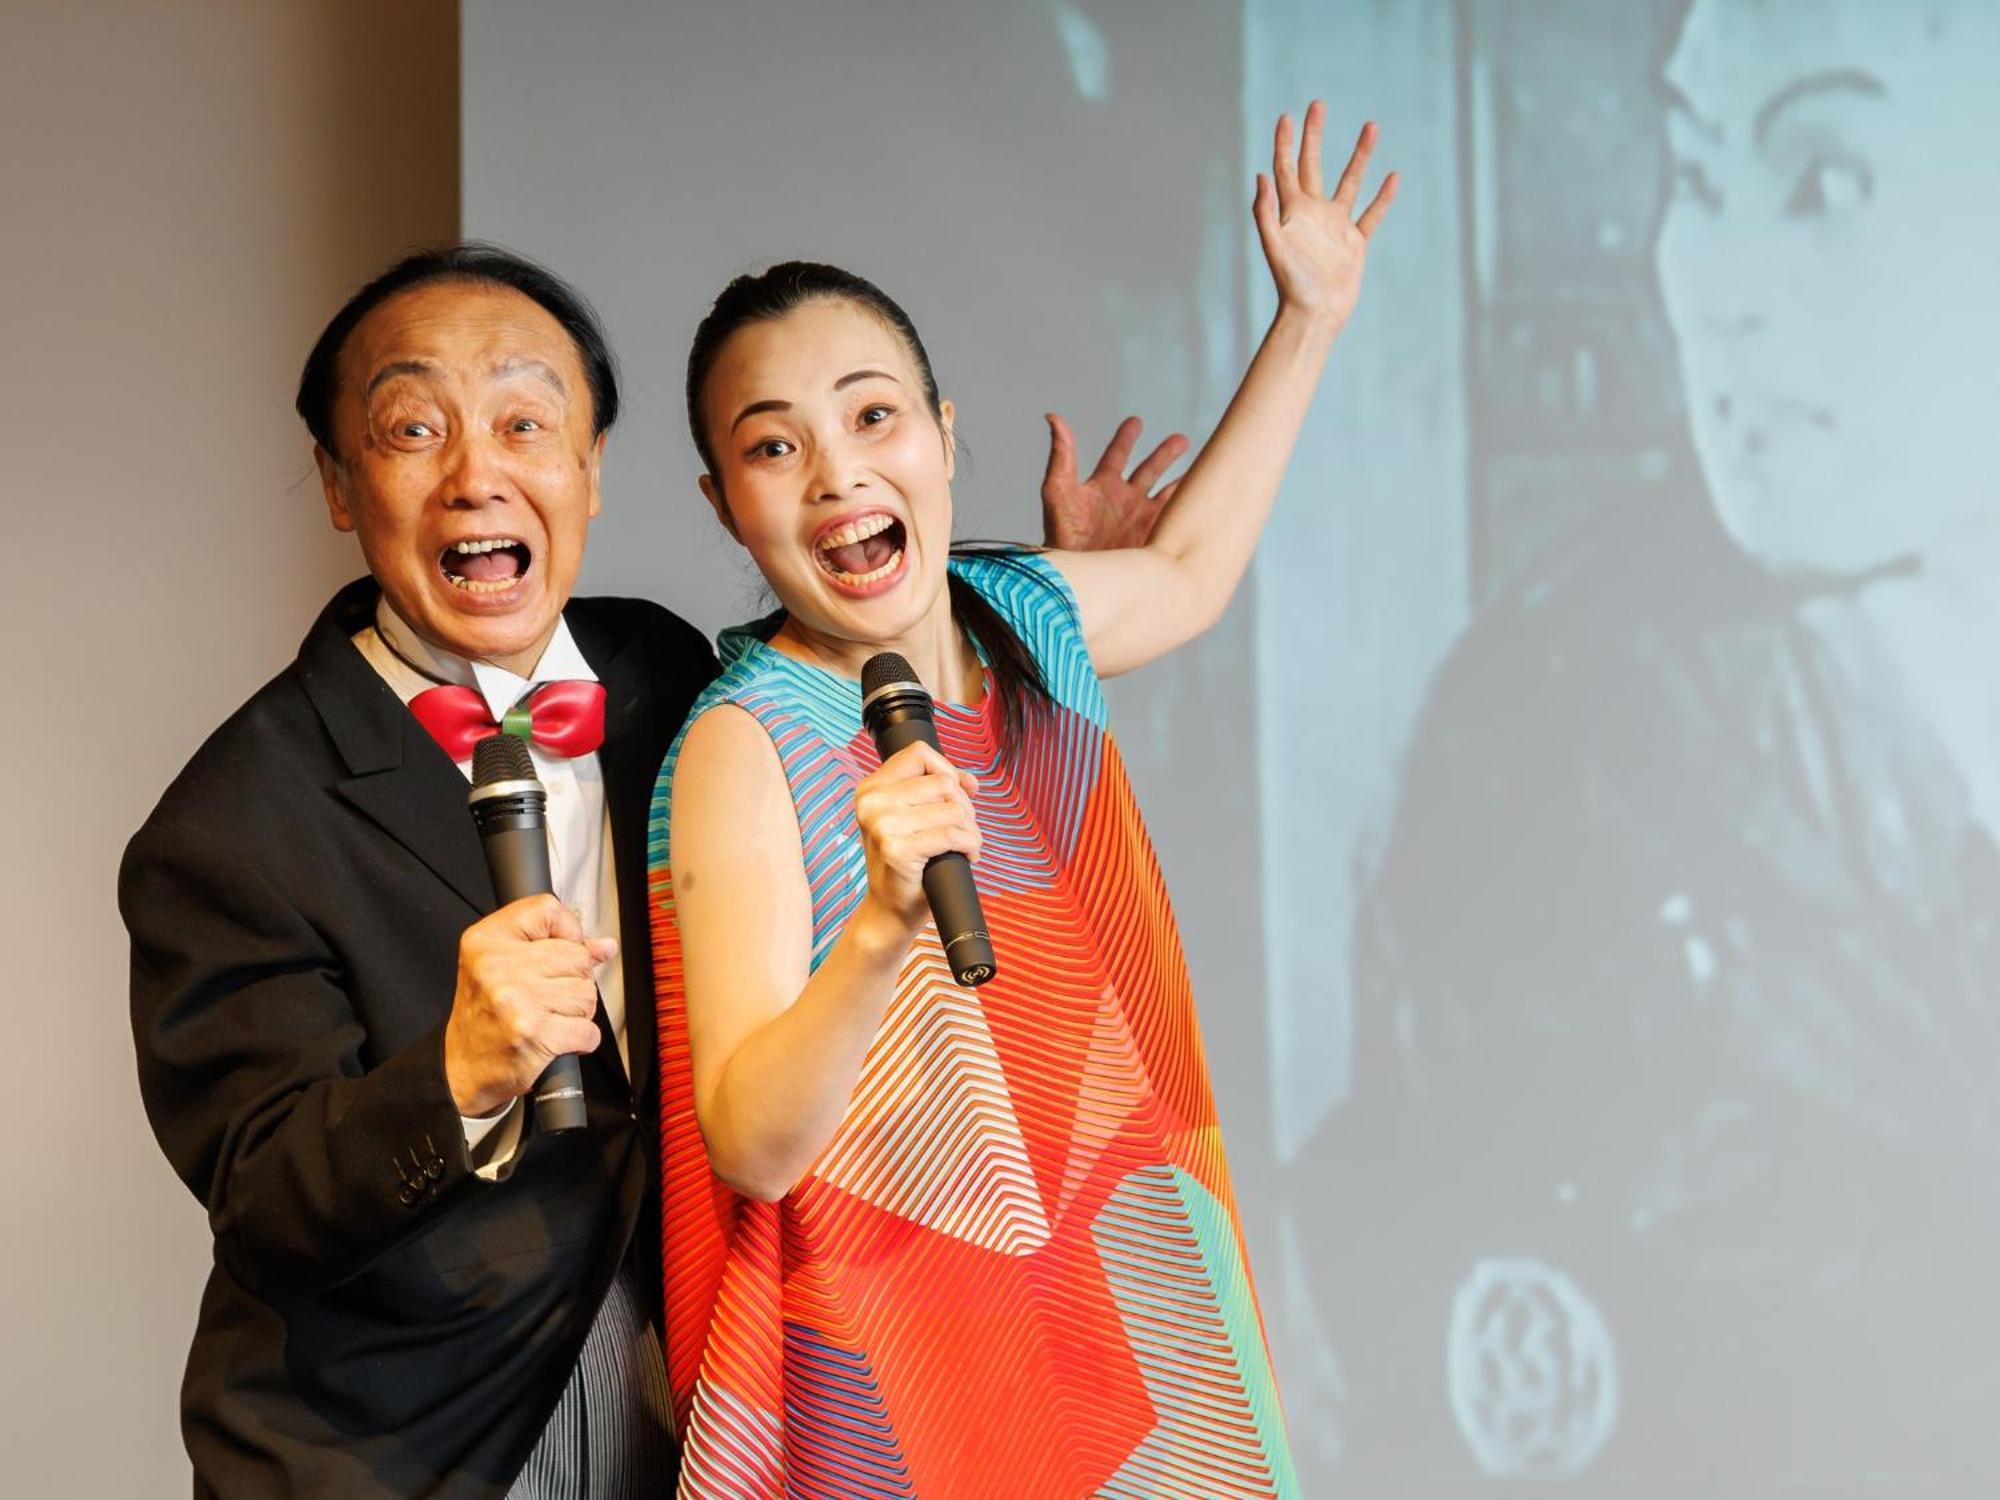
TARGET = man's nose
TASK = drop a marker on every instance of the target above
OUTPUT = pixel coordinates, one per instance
(475, 476)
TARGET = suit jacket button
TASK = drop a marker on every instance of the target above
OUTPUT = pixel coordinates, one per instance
(434, 1168)
(407, 1196)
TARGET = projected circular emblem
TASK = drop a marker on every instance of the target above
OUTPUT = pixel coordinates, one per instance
(1530, 1368)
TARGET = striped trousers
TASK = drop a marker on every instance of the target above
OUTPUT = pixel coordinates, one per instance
(611, 1435)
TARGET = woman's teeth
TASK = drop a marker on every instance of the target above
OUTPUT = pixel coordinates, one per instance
(895, 561)
(469, 548)
(856, 531)
(846, 551)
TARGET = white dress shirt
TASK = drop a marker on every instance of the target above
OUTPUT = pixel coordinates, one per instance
(580, 862)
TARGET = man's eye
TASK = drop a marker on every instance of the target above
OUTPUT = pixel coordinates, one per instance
(414, 430)
(771, 448)
(1828, 185)
(525, 424)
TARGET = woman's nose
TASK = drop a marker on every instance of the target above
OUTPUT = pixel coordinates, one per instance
(836, 475)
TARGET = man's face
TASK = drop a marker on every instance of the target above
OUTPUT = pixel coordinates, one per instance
(467, 467)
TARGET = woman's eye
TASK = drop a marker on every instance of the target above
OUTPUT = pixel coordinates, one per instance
(1828, 185)
(875, 414)
(771, 448)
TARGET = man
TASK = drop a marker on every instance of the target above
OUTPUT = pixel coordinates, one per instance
(416, 1291)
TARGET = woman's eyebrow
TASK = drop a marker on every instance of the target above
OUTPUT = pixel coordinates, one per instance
(756, 406)
(848, 379)
(1851, 81)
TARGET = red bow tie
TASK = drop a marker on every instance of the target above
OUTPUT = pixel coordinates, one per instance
(564, 718)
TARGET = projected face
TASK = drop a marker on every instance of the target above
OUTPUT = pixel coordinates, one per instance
(1826, 261)
(832, 471)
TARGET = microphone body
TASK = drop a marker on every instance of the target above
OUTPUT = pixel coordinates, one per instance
(897, 711)
(510, 807)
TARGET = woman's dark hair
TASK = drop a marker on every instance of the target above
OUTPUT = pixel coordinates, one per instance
(472, 261)
(793, 284)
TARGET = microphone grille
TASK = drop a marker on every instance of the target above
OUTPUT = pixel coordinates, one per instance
(501, 757)
(882, 669)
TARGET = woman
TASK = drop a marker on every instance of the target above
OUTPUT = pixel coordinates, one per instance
(920, 1239)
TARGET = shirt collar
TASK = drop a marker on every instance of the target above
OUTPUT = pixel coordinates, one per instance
(561, 661)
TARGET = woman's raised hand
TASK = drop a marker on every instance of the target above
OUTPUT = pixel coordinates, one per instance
(916, 806)
(1315, 245)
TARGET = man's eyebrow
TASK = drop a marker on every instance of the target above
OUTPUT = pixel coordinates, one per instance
(540, 369)
(397, 367)
(1836, 80)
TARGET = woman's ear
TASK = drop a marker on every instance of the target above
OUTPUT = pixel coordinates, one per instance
(947, 420)
(712, 493)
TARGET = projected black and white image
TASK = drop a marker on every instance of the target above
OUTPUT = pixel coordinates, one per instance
(1661, 1152)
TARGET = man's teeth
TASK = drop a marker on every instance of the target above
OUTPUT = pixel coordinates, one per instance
(895, 561)
(473, 548)
(856, 531)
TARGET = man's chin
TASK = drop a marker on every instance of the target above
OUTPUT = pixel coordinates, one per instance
(488, 627)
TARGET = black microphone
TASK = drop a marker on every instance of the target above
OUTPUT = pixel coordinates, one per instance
(509, 805)
(897, 710)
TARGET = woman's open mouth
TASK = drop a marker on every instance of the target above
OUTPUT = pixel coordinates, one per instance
(486, 565)
(863, 555)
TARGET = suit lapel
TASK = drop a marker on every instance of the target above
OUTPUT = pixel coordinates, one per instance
(630, 757)
(397, 775)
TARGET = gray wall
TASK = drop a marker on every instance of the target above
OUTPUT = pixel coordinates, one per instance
(189, 190)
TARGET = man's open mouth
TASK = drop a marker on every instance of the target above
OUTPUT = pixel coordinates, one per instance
(864, 551)
(486, 565)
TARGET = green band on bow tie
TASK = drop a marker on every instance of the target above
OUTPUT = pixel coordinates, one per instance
(520, 721)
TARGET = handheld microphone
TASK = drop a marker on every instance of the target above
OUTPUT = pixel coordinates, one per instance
(510, 806)
(897, 710)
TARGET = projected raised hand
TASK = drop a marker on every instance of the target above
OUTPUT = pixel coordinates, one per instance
(1315, 245)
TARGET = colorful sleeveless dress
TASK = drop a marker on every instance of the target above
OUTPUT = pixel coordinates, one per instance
(1016, 1270)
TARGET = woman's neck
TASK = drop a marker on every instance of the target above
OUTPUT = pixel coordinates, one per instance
(937, 649)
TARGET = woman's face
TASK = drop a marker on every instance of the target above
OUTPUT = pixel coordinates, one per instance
(832, 470)
(1826, 259)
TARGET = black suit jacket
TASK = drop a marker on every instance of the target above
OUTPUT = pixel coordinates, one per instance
(379, 1320)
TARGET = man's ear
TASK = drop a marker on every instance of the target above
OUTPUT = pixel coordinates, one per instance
(712, 493)
(594, 473)
(329, 483)
(947, 420)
